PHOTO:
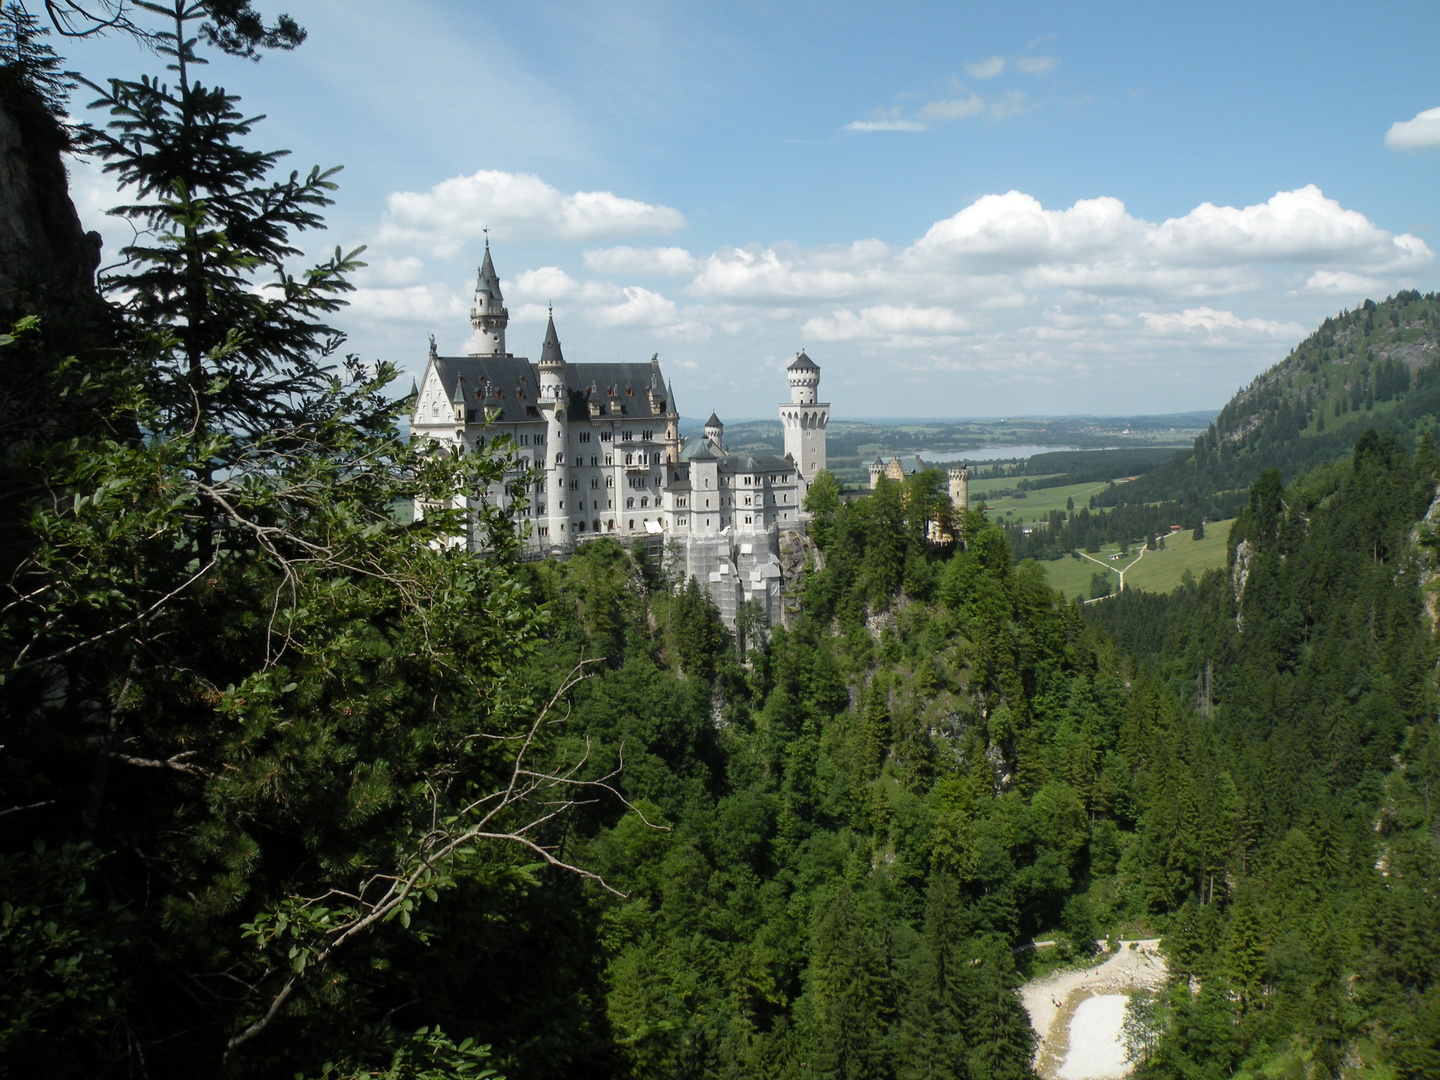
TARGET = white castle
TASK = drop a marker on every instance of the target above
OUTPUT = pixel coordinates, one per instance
(606, 440)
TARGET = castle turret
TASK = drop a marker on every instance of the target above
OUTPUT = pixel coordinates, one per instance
(877, 470)
(960, 488)
(552, 365)
(805, 419)
(488, 316)
(715, 434)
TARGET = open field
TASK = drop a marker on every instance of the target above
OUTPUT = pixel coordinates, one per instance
(1036, 505)
(1156, 571)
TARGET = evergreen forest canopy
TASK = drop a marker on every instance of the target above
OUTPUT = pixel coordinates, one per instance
(292, 788)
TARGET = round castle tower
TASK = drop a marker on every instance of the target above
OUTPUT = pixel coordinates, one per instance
(960, 487)
(804, 419)
(488, 316)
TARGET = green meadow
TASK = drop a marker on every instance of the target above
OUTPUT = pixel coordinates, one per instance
(1154, 571)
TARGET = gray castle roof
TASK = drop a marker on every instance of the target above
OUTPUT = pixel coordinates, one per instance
(487, 281)
(714, 421)
(803, 363)
(550, 352)
(619, 389)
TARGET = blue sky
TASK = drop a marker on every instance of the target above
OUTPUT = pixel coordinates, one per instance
(958, 210)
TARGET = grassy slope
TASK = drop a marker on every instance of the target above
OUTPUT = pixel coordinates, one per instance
(1157, 571)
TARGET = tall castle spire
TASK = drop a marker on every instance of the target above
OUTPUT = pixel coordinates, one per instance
(489, 316)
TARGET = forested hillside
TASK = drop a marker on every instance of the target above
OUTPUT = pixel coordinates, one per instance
(294, 788)
(1375, 367)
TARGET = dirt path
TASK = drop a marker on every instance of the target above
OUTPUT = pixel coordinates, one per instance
(1052, 1002)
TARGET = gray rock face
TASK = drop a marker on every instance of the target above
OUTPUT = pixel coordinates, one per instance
(47, 259)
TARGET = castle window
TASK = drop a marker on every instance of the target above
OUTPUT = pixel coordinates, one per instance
(644, 501)
(609, 504)
(747, 519)
(594, 460)
(594, 481)
(584, 436)
(574, 482)
(580, 526)
(632, 524)
(607, 436)
(434, 408)
(610, 524)
(630, 505)
(559, 459)
(609, 459)
(609, 481)
(629, 391)
(544, 530)
(647, 435)
(682, 521)
(629, 459)
(680, 501)
(627, 436)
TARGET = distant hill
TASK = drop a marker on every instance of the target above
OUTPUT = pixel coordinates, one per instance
(1376, 366)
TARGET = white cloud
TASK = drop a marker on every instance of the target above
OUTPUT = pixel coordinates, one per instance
(986, 69)
(1342, 281)
(885, 321)
(958, 109)
(1036, 65)
(641, 307)
(430, 305)
(1215, 324)
(1421, 133)
(884, 125)
(655, 262)
(515, 205)
(1090, 299)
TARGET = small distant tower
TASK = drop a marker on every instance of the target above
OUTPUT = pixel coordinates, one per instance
(805, 419)
(877, 470)
(715, 434)
(488, 316)
(960, 488)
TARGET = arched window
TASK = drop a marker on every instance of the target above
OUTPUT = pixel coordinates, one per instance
(629, 459)
(560, 459)
(609, 481)
(629, 504)
(644, 501)
(580, 526)
(632, 524)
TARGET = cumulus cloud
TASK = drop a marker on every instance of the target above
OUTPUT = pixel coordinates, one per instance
(1007, 291)
(958, 109)
(885, 321)
(1421, 133)
(653, 262)
(515, 205)
(641, 307)
(1215, 324)
(885, 125)
(987, 68)
(1342, 281)
(1036, 65)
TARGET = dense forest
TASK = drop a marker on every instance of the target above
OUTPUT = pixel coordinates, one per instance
(293, 787)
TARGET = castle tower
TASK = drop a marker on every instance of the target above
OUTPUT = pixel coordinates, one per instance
(552, 365)
(960, 488)
(552, 405)
(877, 470)
(805, 419)
(488, 316)
(715, 434)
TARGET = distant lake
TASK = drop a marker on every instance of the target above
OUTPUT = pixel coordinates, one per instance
(1000, 453)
